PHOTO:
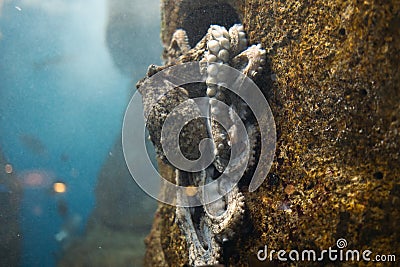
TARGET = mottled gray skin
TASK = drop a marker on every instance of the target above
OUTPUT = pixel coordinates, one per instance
(206, 227)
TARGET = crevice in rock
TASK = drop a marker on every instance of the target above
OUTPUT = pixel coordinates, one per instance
(197, 16)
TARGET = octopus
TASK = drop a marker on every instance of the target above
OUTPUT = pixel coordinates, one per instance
(207, 226)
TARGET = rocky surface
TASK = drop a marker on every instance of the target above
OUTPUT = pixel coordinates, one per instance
(332, 82)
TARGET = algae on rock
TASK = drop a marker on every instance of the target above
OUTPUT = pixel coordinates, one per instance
(333, 87)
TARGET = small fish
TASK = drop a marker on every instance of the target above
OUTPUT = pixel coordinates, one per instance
(52, 61)
(33, 144)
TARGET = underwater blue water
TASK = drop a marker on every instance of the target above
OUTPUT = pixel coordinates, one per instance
(61, 110)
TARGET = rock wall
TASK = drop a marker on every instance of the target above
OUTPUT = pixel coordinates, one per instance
(333, 86)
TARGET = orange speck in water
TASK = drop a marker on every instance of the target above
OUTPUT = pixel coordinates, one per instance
(8, 168)
(59, 187)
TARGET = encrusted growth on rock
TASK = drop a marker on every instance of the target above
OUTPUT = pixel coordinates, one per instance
(332, 80)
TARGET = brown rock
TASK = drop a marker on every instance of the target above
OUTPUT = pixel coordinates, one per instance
(333, 87)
